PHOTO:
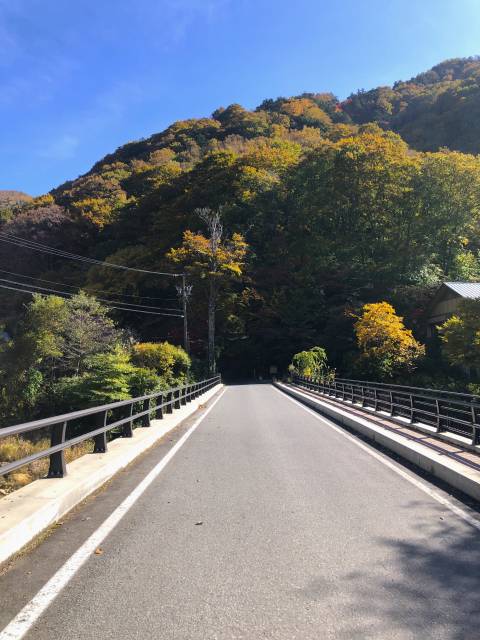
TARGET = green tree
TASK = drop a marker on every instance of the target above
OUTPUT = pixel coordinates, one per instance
(311, 363)
(106, 379)
(460, 335)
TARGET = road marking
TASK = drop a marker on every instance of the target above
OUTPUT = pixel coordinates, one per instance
(23, 621)
(381, 458)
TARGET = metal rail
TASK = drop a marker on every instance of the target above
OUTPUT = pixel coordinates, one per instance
(104, 420)
(458, 413)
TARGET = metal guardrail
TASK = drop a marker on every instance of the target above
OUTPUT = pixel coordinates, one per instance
(163, 401)
(443, 410)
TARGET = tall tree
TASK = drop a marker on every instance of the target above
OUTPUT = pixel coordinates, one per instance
(214, 259)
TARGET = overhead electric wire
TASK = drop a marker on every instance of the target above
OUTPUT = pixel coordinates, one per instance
(94, 293)
(68, 294)
(130, 304)
(43, 248)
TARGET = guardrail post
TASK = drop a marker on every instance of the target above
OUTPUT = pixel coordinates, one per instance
(58, 467)
(391, 403)
(146, 417)
(189, 393)
(176, 395)
(169, 406)
(128, 426)
(412, 409)
(100, 440)
(375, 399)
(475, 427)
(439, 426)
(183, 396)
(159, 409)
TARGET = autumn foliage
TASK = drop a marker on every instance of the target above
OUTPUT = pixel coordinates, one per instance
(387, 346)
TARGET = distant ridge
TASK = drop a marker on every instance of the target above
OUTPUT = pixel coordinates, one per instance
(8, 196)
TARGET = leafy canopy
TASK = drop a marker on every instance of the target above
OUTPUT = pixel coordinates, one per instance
(387, 346)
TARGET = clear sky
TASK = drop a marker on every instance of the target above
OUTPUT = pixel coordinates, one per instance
(78, 78)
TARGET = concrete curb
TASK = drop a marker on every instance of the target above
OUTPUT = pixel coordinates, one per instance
(454, 473)
(25, 513)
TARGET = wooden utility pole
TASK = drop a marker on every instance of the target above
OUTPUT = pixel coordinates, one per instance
(186, 344)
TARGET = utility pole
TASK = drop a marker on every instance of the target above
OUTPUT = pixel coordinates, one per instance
(186, 346)
(184, 292)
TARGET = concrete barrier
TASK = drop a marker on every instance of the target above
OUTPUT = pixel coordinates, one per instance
(456, 474)
(25, 513)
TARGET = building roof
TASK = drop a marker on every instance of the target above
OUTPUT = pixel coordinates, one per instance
(465, 289)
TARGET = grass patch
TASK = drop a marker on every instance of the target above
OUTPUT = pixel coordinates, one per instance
(16, 447)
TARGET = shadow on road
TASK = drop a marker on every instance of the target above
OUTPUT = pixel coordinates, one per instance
(428, 589)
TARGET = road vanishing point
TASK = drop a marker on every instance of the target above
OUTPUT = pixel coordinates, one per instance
(255, 519)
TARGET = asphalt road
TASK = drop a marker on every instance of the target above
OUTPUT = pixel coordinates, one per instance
(303, 535)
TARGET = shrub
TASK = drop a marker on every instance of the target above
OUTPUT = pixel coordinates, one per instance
(168, 361)
(311, 363)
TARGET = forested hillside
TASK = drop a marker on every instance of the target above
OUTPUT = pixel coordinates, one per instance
(339, 203)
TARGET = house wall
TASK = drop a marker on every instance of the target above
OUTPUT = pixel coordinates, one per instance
(443, 310)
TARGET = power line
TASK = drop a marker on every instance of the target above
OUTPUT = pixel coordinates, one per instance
(94, 293)
(43, 248)
(130, 304)
(67, 294)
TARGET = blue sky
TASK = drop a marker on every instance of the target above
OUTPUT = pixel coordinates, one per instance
(78, 78)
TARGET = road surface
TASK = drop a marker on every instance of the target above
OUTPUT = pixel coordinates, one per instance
(268, 523)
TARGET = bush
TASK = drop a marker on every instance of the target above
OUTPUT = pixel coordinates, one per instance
(171, 363)
(143, 381)
(107, 379)
(311, 363)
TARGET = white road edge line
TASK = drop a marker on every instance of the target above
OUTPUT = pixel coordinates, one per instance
(26, 618)
(461, 513)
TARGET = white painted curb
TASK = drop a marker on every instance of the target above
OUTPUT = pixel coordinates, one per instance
(27, 512)
(450, 471)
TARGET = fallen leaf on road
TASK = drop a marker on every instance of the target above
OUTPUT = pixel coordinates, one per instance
(99, 551)
(199, 522)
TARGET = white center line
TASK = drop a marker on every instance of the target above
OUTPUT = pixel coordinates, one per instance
(30, 613)
(458, 511)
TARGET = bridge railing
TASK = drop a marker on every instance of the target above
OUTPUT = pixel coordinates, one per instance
(103, 418)
(443, 410)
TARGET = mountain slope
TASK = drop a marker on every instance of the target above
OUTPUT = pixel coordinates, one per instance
(336, 207)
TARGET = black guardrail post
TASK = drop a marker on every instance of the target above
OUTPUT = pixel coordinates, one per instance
(127, 431)
(58, 466)
(475, 427)
(100, 440)
(159, 409)
(169, 405)
(176, 395)
(146, 417)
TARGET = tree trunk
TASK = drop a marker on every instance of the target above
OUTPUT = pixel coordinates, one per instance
(211, 328)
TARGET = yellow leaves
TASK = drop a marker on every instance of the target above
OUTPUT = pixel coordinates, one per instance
(98, 211)
(276, 155)
(199, 254)
(382, 336)
(161, 357)
(307, 110)
(44, 201)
